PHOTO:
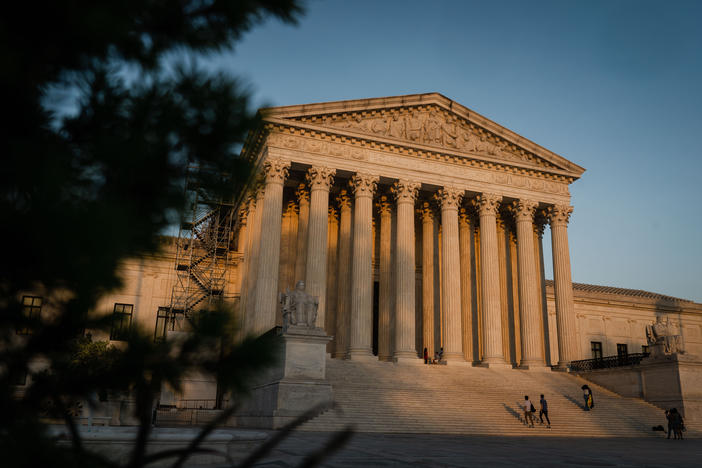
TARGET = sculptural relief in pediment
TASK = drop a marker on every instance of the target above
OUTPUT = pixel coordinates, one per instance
(432, 126)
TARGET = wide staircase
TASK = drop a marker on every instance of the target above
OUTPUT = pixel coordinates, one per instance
(387, 398)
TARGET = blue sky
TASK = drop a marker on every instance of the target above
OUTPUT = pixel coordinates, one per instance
(614, 86)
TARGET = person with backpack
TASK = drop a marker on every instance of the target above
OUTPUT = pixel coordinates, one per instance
(528, 412)
(587, 395)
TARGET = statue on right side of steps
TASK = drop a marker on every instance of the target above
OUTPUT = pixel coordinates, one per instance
(661, 338)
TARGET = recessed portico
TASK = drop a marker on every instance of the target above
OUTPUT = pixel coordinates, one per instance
(437, 205)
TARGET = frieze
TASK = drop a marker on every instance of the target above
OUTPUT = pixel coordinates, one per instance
(479, 171)
(433, 126)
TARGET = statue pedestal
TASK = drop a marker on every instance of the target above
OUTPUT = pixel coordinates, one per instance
(674, 381)
(296, 384)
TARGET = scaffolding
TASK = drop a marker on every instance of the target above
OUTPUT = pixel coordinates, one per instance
(202, 254)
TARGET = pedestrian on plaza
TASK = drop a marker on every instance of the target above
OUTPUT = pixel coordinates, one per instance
(528, 410)
(441, 354)
(426, 356)
(544, 412)
(589, 400)
(677, 423)
(669, 418)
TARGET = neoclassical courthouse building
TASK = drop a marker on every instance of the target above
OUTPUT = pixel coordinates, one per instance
(418, 223)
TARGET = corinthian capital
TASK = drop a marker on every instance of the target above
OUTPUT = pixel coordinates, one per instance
(467, 215)
(384, 205)
(363, 184)
(426, 211)
(320, 178)
(275, 170)
(449, 197)
(302, 193)
(487, 204)
(523, 210)
(405, 191)
(540, 221)
(343, 199)
(559, 214)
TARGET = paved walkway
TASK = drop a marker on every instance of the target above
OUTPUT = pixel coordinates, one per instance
(371, 450)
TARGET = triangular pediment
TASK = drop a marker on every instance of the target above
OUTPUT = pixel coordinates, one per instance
(426, 120)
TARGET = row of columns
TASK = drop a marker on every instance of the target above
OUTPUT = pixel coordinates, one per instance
(353, 287)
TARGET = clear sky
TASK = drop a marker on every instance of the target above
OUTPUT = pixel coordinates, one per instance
(613, 86)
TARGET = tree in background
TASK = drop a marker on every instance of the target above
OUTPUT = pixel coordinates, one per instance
(84, 189)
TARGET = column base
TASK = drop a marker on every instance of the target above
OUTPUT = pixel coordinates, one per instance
(496, 365)
(408, 360)
(339, 355)
(535, 367)
(458, 363)
(562, 366)
(361, 355)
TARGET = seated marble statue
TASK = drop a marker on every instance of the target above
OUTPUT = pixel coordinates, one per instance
(660, 335)
(299, 308)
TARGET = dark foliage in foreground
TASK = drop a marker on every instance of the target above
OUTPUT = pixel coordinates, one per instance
(101, 125)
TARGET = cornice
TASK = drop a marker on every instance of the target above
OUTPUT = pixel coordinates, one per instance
(285, 113)
(365, 141)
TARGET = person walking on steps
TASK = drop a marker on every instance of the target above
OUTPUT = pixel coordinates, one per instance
(528, 412)
(589, 400)
(544, 412)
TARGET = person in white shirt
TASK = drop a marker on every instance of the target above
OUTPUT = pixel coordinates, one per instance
(528, 416)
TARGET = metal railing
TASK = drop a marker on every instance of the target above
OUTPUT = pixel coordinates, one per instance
(607, 362)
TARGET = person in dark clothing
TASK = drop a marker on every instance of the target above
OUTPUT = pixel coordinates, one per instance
(426, 356)
(669, 418)
(677, 423)
(544, 412)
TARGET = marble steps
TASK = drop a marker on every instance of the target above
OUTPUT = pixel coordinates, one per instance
(466, 400)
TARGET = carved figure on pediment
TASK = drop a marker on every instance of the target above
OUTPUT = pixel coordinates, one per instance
(299, 308)
(483, 145)
(396, 126)
(355, 122)
(432, 129)
(379, 126)
(467, 140)
(660, 336)
(415, 126)
(449, 133)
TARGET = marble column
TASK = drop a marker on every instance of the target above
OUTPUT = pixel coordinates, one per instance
(253, 260)
(303, 200)
(428, 299)
(362, 269)
(466, 225)
(241, 245)
(343, 303)
(405, 316)
(563, 286)
(332, 259)
(275, 170)
(449, 198)
(320, 180)
(530, 316)
(287, 251)
(540, 221)
(385, 312)
(493, 356)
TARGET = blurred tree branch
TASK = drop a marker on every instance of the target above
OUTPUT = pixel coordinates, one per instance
(85, 188)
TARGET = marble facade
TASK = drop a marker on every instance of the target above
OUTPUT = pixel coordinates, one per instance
(430, 201)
